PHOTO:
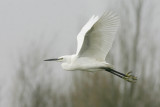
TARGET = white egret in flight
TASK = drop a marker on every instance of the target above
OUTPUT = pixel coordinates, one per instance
(94, 42)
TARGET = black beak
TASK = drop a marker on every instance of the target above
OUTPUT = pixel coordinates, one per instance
(54, 59)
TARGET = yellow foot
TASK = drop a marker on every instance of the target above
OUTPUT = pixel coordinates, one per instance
(130, 78)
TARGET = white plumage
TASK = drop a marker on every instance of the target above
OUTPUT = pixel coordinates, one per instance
(96, 37)
(93, 44)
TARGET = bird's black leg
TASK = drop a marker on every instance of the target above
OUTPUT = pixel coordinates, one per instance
(119, 75)
(128, 77)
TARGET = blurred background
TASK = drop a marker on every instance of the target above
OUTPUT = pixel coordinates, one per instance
(34, 30)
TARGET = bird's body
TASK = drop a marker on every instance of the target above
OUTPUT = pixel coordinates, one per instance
(73, 63)
(94, 42)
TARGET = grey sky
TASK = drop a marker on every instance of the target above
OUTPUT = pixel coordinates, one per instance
(23, 22)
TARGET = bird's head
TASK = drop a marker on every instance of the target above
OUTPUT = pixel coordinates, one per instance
(65, 58)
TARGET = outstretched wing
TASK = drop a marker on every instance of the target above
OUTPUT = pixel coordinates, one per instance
(96, 37)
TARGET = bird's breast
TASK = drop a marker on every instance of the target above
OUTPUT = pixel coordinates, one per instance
(67, 66)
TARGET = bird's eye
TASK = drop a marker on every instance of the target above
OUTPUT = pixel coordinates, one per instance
(60, 58)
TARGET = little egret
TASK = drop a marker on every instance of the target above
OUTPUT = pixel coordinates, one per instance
(94, 42)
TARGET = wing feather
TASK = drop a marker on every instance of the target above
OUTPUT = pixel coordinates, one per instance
(96, 37)
(84, 30)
